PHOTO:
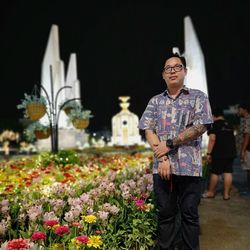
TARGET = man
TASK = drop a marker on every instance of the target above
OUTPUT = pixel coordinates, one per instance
(244, 113)
(174, 122)
(221, 151)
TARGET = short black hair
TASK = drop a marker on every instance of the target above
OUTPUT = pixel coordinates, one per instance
(216, 111)
(245, 106)
(182, 58)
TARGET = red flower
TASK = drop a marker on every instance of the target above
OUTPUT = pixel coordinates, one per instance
(34, 174)
(26, 179)
(28, 183)
(9, 188)
(83, 239)
(13, 167)
(38, 236)
(17, 244)
(51, 223)
(67, 175)
(61, 230)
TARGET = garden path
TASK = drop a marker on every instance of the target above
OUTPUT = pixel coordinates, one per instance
(225, 225)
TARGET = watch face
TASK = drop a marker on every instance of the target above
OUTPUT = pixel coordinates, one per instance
(169, 143)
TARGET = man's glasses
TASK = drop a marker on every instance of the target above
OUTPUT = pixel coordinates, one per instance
(176, 68)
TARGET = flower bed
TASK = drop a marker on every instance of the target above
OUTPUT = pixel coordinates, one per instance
(98, 203)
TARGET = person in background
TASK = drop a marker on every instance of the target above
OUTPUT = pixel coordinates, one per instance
(244, 131)
(221, 152)
(174, 122)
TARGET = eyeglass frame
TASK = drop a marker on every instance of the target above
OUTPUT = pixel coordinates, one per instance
(174, 68)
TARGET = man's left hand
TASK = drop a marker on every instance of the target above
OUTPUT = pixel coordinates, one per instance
(161, 149)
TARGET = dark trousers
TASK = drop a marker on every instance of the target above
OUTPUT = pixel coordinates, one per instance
(177, 204)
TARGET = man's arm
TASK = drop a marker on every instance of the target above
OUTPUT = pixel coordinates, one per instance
(190, 134)
(211, 142)
(152, 138)
(187, 135)
(163, 161)
(210, 146)
(244, 144)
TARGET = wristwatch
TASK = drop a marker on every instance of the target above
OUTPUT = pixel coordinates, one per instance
(169, 143)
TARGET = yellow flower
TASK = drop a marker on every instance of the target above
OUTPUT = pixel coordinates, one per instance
(55, 227)
(58, 246)
(95, 241)
(89, 218)
(77, 244)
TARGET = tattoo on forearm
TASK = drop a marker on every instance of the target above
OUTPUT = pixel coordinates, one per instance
(190, 134)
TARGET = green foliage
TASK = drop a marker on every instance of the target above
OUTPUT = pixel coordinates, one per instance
(28, 99)
(29, 131)
(115, 149)
(31, 99)
(79, 112)
(61, 158)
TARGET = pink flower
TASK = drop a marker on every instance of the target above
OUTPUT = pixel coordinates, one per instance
(38, 236)
(17, 244)
(83, 239)
(76, 224)
(51, 223)
(61, 230)
(139, 203)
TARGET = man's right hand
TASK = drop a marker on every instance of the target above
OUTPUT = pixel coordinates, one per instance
(164, 169)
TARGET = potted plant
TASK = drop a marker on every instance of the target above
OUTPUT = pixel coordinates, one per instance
(34, 105)
(80, 117)
(68, 105)
(37, 130)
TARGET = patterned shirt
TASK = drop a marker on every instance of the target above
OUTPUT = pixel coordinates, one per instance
(168, 117)
(245, 125)
(244, 128)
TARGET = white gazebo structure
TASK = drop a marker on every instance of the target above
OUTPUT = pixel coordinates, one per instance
(125, 130)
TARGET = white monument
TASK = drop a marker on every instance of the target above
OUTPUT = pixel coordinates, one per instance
(196, 75)
(125, 130)
(69, 137)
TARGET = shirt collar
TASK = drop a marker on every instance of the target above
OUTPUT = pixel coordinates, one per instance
(184, 90)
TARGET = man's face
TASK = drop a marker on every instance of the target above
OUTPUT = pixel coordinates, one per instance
(174, 72)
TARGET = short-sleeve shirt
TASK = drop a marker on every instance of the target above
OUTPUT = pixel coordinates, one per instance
(245, 128)
(169, 117)
(225, 144)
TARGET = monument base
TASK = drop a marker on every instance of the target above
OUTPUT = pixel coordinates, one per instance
(67, 139)
(128, 141)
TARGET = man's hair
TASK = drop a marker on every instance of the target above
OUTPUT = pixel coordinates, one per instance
(245, 106)
(182, 58)
(216, 111)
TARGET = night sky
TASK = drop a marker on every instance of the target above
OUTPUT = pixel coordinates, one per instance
(120, 49)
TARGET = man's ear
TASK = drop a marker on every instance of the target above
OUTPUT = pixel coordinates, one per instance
(186, 70)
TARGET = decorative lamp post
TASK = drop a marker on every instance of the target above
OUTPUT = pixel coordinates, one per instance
(53, 112)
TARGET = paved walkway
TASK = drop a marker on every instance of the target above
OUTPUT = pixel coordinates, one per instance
(225, 225)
